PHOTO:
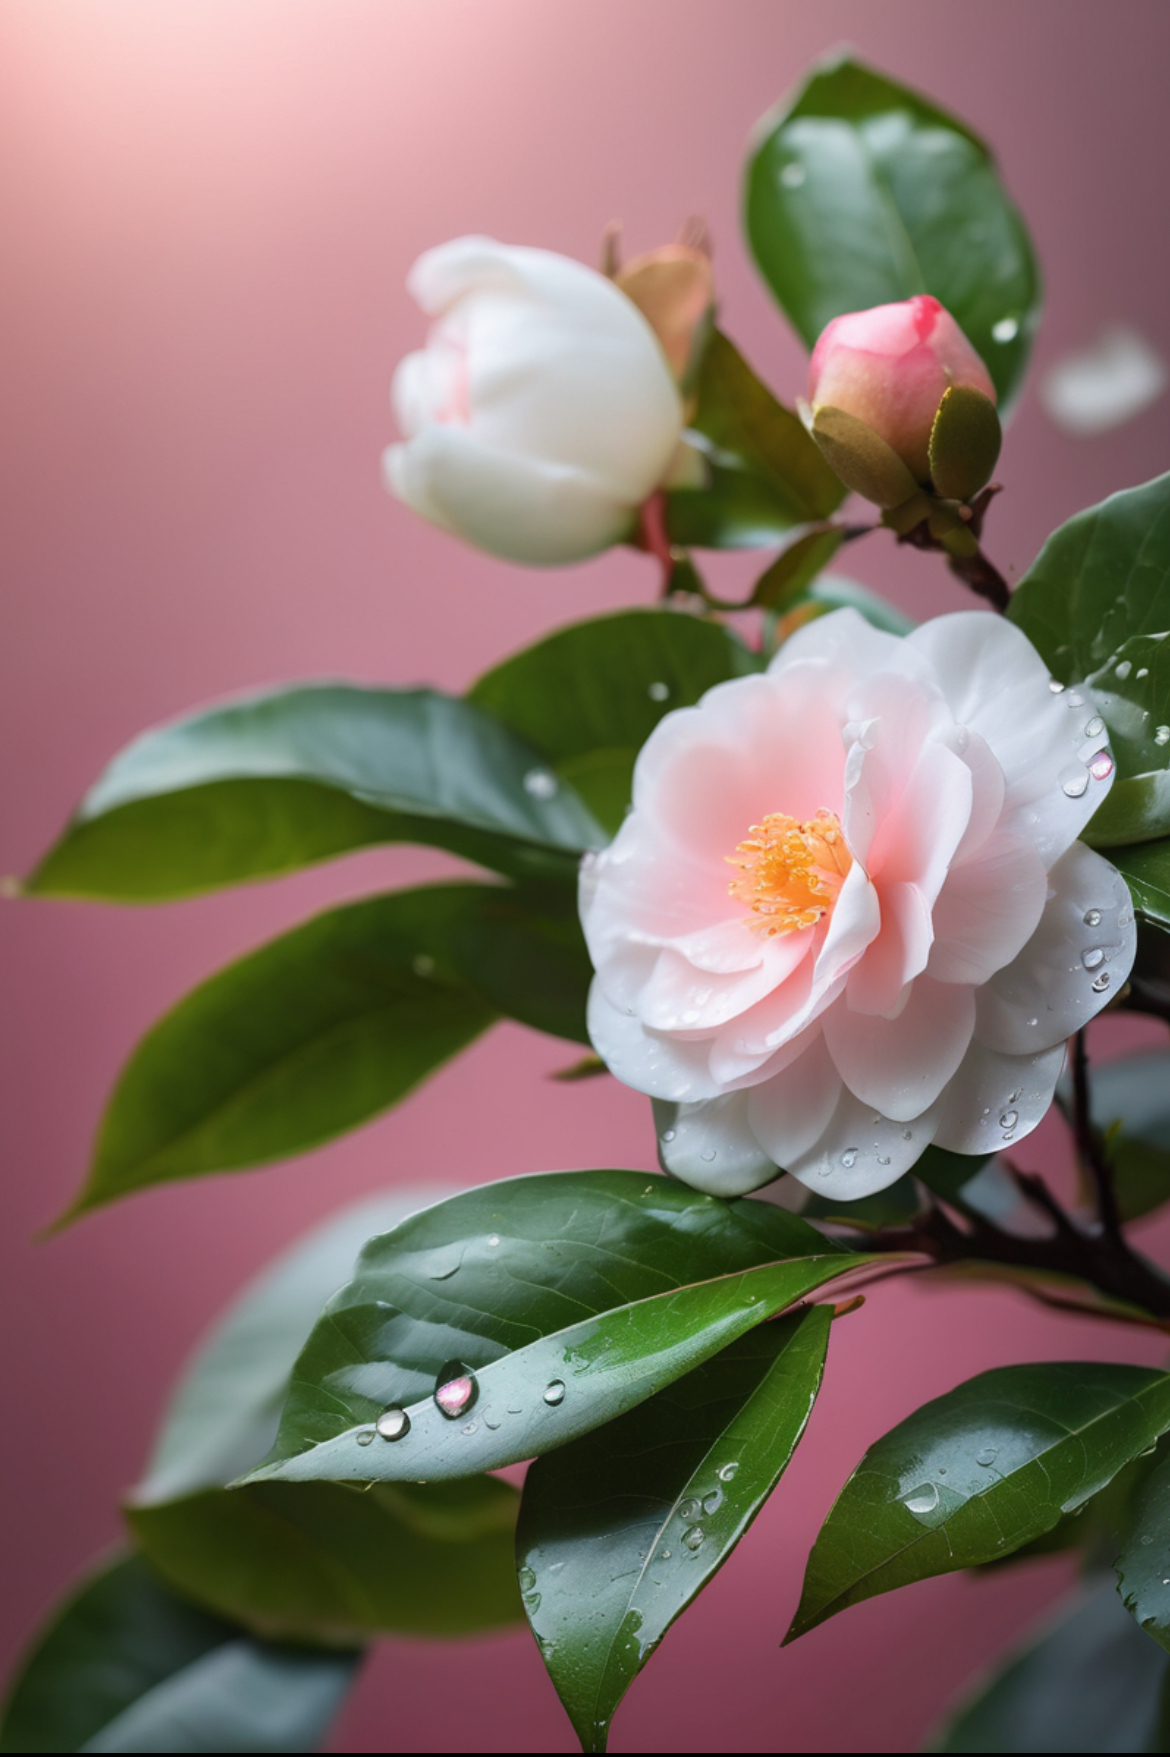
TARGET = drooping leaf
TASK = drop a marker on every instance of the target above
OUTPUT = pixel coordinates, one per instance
(322, 1561)
(277, 781)
(1087, 1680)
(765, 474)
(1096, 603)
(124, 1664)
(1143, 1561)
(620, 1530)
(223, 1413)
(589, 696)
(321, 1029)
(796, 567)
(568, 1298)
(861, 192)
(978, 1472)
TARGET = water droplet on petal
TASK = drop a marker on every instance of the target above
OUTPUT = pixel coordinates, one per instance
(849, 1157)
(393, 1424)
(366, 1436)
(907, 1134)
(709, 1155)
(658, 692)
(1056, 687)
(1102, 983)
(1006, 330)
(1074, 780)
(923, 1500)
(1009, 1119)
(1095, 727)
(693, 1538)
(493, 1239)
(1092, 918)
(668, 1135)
(1092, 957)
(456, 1389)
(554, 1392)
(793, 175)
(540, 783)
(1075, 699)
(987, 1457)
(1101, 765)
(527, 1579)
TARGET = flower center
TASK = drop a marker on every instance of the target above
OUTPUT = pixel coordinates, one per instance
(790, 873)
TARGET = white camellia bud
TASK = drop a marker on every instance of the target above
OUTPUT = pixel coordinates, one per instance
(542, 412)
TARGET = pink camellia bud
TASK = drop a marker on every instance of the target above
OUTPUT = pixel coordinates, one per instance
(890, 367)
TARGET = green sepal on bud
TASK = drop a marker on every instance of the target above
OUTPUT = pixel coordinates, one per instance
(861, 458)
(964, 443)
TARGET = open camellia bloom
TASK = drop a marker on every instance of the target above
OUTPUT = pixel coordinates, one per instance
(848, 915)
(542, 412)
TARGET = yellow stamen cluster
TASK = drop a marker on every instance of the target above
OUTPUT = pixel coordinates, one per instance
(790, 872)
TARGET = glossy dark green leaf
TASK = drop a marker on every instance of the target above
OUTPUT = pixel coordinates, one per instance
(1146, 870)
(322, 1561)
(619, 1531)
(126, 1665)
(276, 781)
(1096, 603)
(979, 1471)
(1143, 1561)
(861, 192)
(589, 696)
(223, 1413)
(796, 567)
(764, 472)
(326, 1026)
(570, 1297)
(1088, 1680)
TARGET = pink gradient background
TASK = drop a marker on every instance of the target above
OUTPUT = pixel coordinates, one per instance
(208, 212)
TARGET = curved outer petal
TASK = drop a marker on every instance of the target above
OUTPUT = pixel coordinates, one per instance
(997, 684)
(996, 1099)
(559, 390)
(520, 508)
(900, 1065)
(711, 1146)
(1072, 966)
(653, 1062)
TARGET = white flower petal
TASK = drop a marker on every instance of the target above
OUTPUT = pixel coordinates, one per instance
(790, 1112)
(989, 908)
(711, 1145)
(1073, 965)
(998, 685)
(897, 954)
(860, 1150)
(996, 1099)
(900, 1065)
(650, 1062)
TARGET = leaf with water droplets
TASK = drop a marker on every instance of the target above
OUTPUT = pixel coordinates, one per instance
(1096, 603)
(622, 1529)
(861, 192)
(1143, 1558)
(922, 1502)
(1131, 1109)
(596, 1295)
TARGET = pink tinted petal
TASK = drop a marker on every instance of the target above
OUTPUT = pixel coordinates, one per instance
(899, 1066)
(859, 1151)
(998, 685)
(677, 997)
(711, 1146)
(924, 823)
(648, 886)
(660, 1066)
(1074, 964)
(854, 923)
(988, 789)
(877, 984)
(846, 640)
(996, 1099)
(988, 910)
(790, 1112)
(749, 1057)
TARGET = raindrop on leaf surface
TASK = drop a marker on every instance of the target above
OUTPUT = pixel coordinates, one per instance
(393, 1424)
(554, 1392)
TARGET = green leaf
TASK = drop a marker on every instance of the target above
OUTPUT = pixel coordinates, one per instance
(1096, 603)
(796, 567)
(589, 696)
(322, 1561)
(964, 442)
(765, 473)
(834, 592)
(1131, 1107)
(621, 1529)
(1146, 870)
(861, 192)
(978, 1472)
(1143, 1562)
(1088, 1680)
(274, 782)
(223, 1413)
(321, 1029)
(569, 1298)
(125, 1665)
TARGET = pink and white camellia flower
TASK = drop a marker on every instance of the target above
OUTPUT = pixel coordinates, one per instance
(848, 914)
(542, 412)
(890, 366)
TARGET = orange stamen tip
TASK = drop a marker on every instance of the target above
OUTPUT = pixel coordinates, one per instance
(790, 872)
